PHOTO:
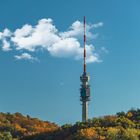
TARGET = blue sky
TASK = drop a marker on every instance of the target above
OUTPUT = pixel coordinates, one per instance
(45, 83)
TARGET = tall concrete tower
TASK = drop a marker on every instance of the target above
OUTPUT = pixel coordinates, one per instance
(85, 87)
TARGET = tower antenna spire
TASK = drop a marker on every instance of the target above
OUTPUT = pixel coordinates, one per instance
(84, 44)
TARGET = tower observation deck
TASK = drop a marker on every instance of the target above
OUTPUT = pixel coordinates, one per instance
(85, 87)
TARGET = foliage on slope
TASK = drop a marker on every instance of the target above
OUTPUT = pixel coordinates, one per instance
(16, 126)
(122, 126)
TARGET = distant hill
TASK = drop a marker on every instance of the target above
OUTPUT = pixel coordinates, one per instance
(122, 126)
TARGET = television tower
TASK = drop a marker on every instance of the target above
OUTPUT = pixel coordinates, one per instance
(85, 87)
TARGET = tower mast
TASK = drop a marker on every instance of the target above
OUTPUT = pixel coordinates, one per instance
(84, 44)
(85, 87)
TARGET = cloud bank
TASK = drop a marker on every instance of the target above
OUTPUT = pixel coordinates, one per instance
(45, 36)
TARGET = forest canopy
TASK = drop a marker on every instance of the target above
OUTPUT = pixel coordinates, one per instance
(121, 126)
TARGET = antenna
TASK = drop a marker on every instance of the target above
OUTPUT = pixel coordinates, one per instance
(84, 45)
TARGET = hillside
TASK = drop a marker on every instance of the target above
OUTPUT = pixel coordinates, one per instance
(122, 126)
(16, 126)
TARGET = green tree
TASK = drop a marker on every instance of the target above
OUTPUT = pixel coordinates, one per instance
(5, 136)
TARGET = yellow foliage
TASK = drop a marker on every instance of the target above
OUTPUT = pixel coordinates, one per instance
(112, 130)
(88, 133)
(19, 128)
(102, 138)
(129, 114)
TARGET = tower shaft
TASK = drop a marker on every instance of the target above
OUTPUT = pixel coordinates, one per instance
(84, 111)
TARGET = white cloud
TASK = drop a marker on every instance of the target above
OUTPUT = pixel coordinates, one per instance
(97, 25)
(45, 36)
(65, 47)
(6, 45)
(93, 58)
(24, 31)
(91, 55)
(0, 35)
(25, 56)
(76, 30)
(6, 33)
(3, 37)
